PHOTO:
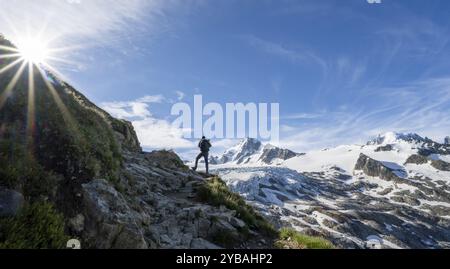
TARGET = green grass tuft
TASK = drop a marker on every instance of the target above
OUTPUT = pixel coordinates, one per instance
(289, 238)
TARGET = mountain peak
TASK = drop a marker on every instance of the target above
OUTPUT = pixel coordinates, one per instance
(395, 137)
(251, 150)
(250, 143)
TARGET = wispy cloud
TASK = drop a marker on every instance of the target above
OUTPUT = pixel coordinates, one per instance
(66, 19)
(180, 95)
(300, 116)
(153, 133)
(76, 26)
(274, 48)
(132, 109)
(285, 52)
(420, 106)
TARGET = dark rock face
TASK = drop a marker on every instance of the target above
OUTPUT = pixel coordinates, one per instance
(434, 148)
(416, 159)
(440, 165)
(126, 135)
(447, 140)
(11, 202)
(375, 168)
(270, 154)
(384, 148)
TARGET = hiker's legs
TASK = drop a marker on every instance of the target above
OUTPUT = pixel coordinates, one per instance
(196, 161)
(205, 155)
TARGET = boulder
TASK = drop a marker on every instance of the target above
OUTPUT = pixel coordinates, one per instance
(110, 222)
(76, 223)
(165, 158)
(11, 202)
(237, 223)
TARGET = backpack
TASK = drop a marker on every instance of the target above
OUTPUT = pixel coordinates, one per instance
(204, 145)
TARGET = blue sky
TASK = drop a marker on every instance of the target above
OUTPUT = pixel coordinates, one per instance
(342, 71)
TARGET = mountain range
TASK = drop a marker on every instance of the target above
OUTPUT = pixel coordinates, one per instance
(69, 170)
(392, 192)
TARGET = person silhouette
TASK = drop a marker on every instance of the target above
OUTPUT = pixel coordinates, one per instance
(204, 145)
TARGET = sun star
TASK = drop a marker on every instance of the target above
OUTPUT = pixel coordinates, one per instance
(33, 50)
(30, 54)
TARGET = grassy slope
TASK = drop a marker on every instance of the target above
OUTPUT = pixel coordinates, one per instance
(216, 192)
(70, 145)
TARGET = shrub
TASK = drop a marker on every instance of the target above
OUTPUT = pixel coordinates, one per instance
(38, 226)
(19, 170)
(225, 238)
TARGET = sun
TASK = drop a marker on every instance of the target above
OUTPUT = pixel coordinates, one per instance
(33, 50)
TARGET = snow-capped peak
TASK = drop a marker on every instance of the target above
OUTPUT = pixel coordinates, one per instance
(269, 146)
(240, 153)
(252, 151)
(249, 145)
(394, 137)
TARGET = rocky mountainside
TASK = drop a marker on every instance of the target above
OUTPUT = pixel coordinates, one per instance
(158, 205)
(393, 192)
(70, 170)
(251, 151)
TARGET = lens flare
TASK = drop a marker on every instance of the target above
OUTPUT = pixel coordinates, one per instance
(33, 50)
(36, 54)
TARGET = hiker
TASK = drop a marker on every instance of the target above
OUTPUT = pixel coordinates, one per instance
(204, 146)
